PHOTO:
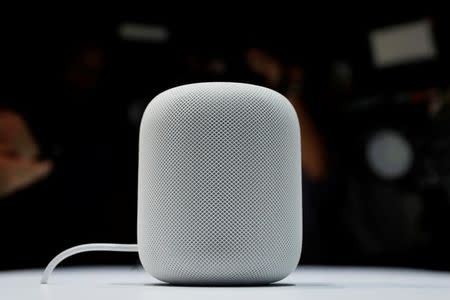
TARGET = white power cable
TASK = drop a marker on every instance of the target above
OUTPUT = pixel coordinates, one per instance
(85, 248)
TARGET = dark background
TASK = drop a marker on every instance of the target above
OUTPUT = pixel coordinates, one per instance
(81, 88)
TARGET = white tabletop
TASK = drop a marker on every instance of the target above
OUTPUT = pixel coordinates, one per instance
(306, 283)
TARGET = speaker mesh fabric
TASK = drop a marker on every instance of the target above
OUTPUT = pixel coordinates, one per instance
(219, 185)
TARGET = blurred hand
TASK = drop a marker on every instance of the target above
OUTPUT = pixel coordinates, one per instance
(265, 65)
(16, 174)
(19, 166)
(314, 158)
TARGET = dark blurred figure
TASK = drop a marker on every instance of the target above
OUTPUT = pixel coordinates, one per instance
(387, 165)
(80, 125)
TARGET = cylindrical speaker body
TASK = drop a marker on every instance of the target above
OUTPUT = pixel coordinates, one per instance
(219, 192)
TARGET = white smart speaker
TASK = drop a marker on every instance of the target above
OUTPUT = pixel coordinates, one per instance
(219, 191)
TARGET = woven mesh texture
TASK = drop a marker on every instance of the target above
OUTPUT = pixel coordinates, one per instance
(219, 185)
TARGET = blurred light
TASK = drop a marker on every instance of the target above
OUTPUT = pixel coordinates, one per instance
(402, 44)
(143, 33)
(389, 154)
